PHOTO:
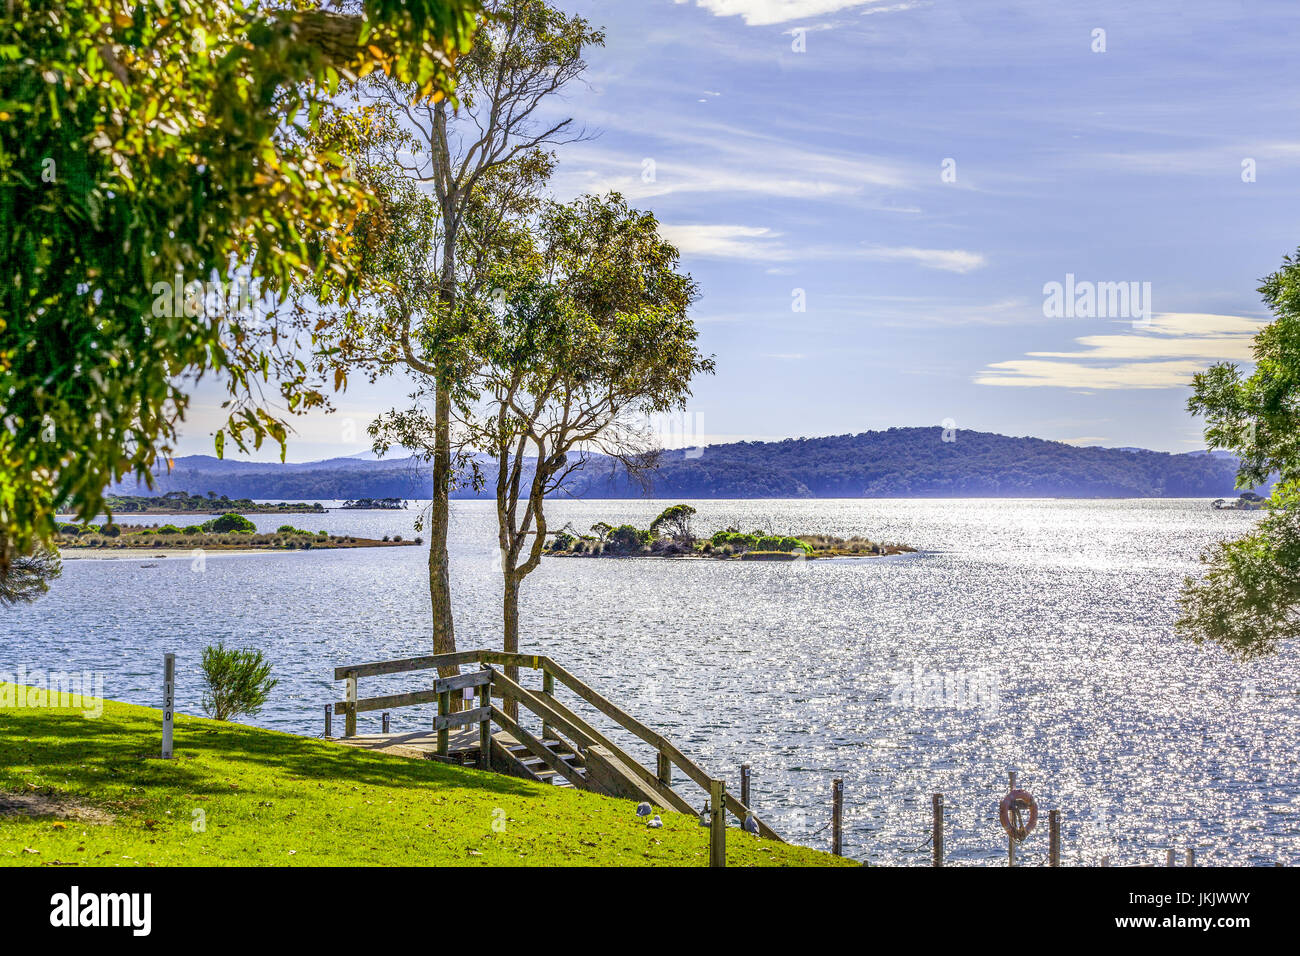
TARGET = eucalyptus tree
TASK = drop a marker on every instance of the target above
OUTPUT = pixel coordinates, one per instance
(1248, 602)
(141, 142)
(478, 160)
(590, 335)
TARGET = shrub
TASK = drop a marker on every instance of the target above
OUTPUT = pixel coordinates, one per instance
(626, 538)
(238, 682)
(229, 522)
(71, 530)
(563, 541)
(417, 540)
(169, 529)
(193, 529)
(110, 530)
(736, 540)
(397, 537)
(675, 523)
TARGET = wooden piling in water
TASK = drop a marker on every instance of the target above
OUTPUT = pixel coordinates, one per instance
(1054, 838)
(386, 721)
(837, 816)
(936, 803)
(329, 720)
(744, 783)
(1011, 840)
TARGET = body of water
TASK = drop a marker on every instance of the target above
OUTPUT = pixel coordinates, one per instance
(1033, 636)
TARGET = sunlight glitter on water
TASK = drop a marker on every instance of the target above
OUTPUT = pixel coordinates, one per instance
(1062, 610)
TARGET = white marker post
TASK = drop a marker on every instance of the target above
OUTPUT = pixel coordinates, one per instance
(169, 701)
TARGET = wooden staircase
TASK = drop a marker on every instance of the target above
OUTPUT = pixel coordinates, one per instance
(570, 750)
(538, 769)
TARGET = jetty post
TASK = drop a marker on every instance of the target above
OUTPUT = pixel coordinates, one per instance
(1011, 840)
(837, 816)
(937, 807)
(1054, 838)
(329, 720)
(744, 782)
(386, 721)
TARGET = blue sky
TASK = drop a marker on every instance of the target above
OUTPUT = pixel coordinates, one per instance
(831, 171)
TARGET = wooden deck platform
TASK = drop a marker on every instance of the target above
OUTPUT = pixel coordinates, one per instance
(462, 746)
(508, 754)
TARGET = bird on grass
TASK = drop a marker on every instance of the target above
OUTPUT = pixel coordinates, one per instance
(643, 809)
(750, 825)
(655, 823)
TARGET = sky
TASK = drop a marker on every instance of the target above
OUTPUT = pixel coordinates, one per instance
(877, 196)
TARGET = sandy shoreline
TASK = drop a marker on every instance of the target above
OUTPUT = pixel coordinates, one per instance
(144, 554)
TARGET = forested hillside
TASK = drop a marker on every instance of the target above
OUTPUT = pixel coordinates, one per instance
(900, 462)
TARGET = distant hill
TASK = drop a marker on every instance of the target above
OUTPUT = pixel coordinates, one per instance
(898, 463)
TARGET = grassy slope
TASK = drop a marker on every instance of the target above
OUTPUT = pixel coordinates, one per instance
(279, 800)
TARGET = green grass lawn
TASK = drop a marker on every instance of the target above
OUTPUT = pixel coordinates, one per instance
(238, 795)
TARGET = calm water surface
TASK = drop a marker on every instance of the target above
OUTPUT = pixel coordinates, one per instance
(1055, 617)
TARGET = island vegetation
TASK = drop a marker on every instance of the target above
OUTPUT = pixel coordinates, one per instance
(375, 504)
(230, 532)
(1248, 501)
(672, 535)
(182, 502)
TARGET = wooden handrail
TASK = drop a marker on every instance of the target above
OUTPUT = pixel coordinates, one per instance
(552, 712)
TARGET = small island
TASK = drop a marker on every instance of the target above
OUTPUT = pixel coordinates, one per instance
(671, 536)
(375, 504)
(1247, 501)
(183, 503)
(229, 532)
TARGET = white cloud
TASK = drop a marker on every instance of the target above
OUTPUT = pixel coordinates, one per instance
(1165, 354)
(726, 242)
(756, 167)
(759, 13)
(947, 260)
(761, 244)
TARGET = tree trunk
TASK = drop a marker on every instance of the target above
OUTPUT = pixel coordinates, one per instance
(510, 643)
(444, 631)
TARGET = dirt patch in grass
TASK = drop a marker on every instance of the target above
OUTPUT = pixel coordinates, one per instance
(49, 805)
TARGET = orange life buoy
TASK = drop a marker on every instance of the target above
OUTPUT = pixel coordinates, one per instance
(1014, 802)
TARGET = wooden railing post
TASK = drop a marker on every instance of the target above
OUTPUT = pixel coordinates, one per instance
(744, 782)
(444, 736)
(350, 715)
(717, 823)
(664, 769)
(329, 720)
(385, 720)
(485, 727)
(548, 688)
